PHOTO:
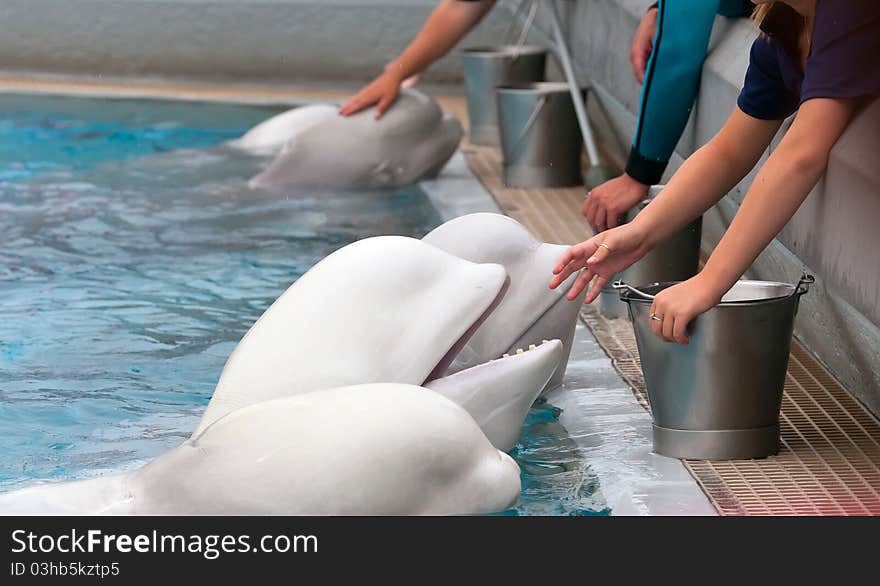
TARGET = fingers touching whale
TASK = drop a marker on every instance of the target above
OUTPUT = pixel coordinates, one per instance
(412, 141)
(381, 449)
(530, 311)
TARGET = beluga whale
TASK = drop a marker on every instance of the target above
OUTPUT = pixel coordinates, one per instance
(335, 402)
(320, 148)
(380, 449)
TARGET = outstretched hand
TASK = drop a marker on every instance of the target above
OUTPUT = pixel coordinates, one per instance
(600, 258)
(382, 92)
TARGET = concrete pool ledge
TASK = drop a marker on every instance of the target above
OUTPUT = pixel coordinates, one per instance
(613, 431)
(457, 191)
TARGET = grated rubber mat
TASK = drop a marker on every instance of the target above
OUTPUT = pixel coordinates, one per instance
(552, 215)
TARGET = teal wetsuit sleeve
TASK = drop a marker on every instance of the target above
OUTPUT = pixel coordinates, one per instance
(671, 81)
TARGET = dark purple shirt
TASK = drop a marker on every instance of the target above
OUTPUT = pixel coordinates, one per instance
(844, 60)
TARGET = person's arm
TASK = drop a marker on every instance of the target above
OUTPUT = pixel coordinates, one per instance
(779, 189)
(605, 203)
(445, 27)
(704, 178)
(670, 87)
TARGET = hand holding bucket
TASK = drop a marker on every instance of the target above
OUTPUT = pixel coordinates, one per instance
(718, 397)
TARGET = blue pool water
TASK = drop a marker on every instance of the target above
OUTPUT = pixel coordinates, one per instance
(133, 259)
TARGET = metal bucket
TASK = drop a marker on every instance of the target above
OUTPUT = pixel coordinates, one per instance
(486, 68)
(675, 259)
(540, 139)
(718, 397)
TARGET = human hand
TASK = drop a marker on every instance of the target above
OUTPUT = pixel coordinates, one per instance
(602, 257)
(382, 91)
(643, 44)
(676, 306)
(607, 202)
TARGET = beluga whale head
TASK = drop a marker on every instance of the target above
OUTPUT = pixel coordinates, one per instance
(412, 141)
(530, 311)
(383, 309)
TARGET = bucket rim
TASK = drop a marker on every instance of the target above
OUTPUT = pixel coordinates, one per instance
(505, 50)
(628, 297)
(534, 87)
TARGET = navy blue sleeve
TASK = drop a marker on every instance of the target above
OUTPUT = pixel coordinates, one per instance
(845, 58)
(764, 94)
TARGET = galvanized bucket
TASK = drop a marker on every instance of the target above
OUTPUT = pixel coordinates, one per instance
(718, 397)
(486, 68)
(540, 139)
(676, 259)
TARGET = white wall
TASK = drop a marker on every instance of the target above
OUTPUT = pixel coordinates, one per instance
(266, 40)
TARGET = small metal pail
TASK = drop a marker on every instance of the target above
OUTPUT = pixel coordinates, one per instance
(486, 68)
(540, 139)
(718, 397)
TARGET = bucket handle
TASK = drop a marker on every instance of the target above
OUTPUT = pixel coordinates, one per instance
(803, 284)
(802, 287)
(528, 125)
(621, 287)
(527, 26)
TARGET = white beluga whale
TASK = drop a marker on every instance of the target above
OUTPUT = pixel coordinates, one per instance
(380, 449)
(324, 370)
(375, 449)
(412, 141)
(529, 311)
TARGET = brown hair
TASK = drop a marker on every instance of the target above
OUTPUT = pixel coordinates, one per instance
(761, 12)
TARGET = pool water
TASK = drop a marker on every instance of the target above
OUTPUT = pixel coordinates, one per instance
(134, 258)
